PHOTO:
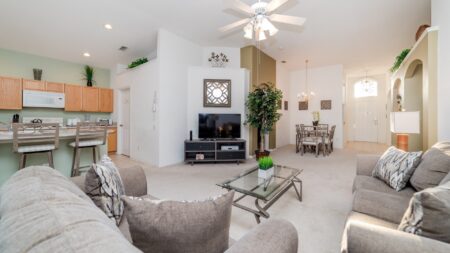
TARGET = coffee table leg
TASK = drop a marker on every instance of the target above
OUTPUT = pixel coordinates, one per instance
(261, 210)
(299, 192)
(258, 220)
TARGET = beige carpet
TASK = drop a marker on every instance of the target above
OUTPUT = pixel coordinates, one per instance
(319, 219)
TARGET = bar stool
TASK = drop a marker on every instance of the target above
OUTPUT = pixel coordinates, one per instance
(32, 138)
(88, 135)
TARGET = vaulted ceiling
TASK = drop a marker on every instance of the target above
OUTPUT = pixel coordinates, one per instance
(360, 34)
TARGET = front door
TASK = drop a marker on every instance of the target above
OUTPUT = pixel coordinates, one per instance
(366, 119)
(125, 122)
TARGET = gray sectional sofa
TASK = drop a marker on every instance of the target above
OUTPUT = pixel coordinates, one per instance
(377, 211)
(43, 211)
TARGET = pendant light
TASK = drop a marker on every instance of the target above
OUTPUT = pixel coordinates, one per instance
(306, 95)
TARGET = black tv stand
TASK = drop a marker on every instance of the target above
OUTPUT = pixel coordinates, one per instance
(214, 150)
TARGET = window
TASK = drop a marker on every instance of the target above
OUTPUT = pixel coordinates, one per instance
(366, 88)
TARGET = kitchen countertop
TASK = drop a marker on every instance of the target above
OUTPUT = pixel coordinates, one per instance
(65, 133)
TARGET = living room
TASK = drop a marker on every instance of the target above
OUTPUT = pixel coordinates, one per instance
(275, 126)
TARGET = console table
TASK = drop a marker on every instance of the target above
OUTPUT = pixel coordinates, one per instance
(217, 150)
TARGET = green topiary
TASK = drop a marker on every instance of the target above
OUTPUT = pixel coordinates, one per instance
(399, 59)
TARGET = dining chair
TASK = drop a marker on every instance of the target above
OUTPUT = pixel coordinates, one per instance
(33, 138)
(88, 135)
(297, 137)
(309, 139)
(328, 140)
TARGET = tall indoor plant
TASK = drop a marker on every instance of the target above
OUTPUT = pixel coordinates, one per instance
(88, 75)
(262, 106)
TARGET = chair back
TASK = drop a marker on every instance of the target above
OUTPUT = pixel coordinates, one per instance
(91, 131)
(333, 128)
(306, 131)
(28, 134)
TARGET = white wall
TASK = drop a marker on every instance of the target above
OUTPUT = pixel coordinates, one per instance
(440, 10)
(233, 54)
(175, 55)
(283, 128)
(239, 91)
(327, 83)
(143, 83)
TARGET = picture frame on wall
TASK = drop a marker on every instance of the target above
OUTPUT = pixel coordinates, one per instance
(303, 105)
(286, 103)
(325, 105)
(216, 93)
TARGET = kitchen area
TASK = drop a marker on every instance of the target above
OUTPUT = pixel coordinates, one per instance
(24, 100)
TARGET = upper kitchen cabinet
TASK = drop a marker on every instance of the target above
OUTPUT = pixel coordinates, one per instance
(33, 85)
(73, 98)
(106, 100)
(90, 99)
(10, 93)
(54, 87)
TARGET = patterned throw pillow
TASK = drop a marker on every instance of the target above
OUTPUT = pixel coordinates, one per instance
(428, 213)
(104, 185)
(395, 167)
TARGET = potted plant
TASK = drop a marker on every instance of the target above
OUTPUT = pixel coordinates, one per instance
(316, 118)
(262, 112)
(399, 59)
(265, 170)
(88, 75)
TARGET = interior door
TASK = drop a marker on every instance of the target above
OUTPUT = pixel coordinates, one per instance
(366, 119)
(125, 122)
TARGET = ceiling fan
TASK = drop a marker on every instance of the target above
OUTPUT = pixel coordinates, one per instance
(259, 24)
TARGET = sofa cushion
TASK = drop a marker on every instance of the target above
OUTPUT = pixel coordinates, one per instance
(395, 167)
(389, 207)
(428, 213)
(445, 179)
(374, 184)
(43, 211)
(173, 226)
(435, 165)
(104, 185)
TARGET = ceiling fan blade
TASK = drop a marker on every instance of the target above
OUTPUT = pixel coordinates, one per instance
(238, 6)
(291, 20)
(234, 25)
(275, 4)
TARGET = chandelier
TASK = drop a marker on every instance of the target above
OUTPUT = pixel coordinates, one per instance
(306, 95)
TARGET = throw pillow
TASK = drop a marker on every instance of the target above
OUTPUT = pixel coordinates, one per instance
(174, 226)
(435, 165)
(428, 213)
(396, 166)
(104, 185)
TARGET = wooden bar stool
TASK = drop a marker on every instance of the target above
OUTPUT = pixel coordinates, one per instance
(88, 135)
(32, 138)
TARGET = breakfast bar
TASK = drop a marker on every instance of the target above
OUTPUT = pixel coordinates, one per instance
(9, 161)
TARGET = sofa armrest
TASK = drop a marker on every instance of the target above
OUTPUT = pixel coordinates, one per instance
(360, 237)
(271, 236)
(365, 164)
(133, 179)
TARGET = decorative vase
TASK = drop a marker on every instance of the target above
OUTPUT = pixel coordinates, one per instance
(37, 74)
(315, 123)
(89, 83)
(266, 174)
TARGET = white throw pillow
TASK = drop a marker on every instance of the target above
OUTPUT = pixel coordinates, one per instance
(105, 187)
(395, 167)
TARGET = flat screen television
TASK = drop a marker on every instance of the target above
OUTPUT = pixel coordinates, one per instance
(219, 126)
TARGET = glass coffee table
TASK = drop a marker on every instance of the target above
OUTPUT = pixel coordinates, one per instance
(266, 190)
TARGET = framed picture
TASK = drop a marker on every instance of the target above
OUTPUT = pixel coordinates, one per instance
(216, 93)
(325, 105)
(286, 105)
(303, 105)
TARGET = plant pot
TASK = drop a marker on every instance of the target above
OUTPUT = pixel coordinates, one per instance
(259, 154)
(315, 123)
(89, 83)
(37, 74)
(265, 174)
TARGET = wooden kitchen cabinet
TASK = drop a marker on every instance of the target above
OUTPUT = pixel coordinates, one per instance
(10, 93)
(106, 100)
(90, 99)
(112, 140)
(74, 98)
(33, 85)
(54, 87)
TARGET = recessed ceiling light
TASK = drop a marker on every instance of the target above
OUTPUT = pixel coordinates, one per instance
(86, 54)
(108, 26)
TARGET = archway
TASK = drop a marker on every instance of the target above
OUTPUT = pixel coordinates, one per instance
(413, 99)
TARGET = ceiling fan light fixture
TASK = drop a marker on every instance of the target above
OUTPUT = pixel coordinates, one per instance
(261, 35)
(248, 31)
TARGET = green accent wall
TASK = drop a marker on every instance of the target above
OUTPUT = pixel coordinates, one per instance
(17, 64)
